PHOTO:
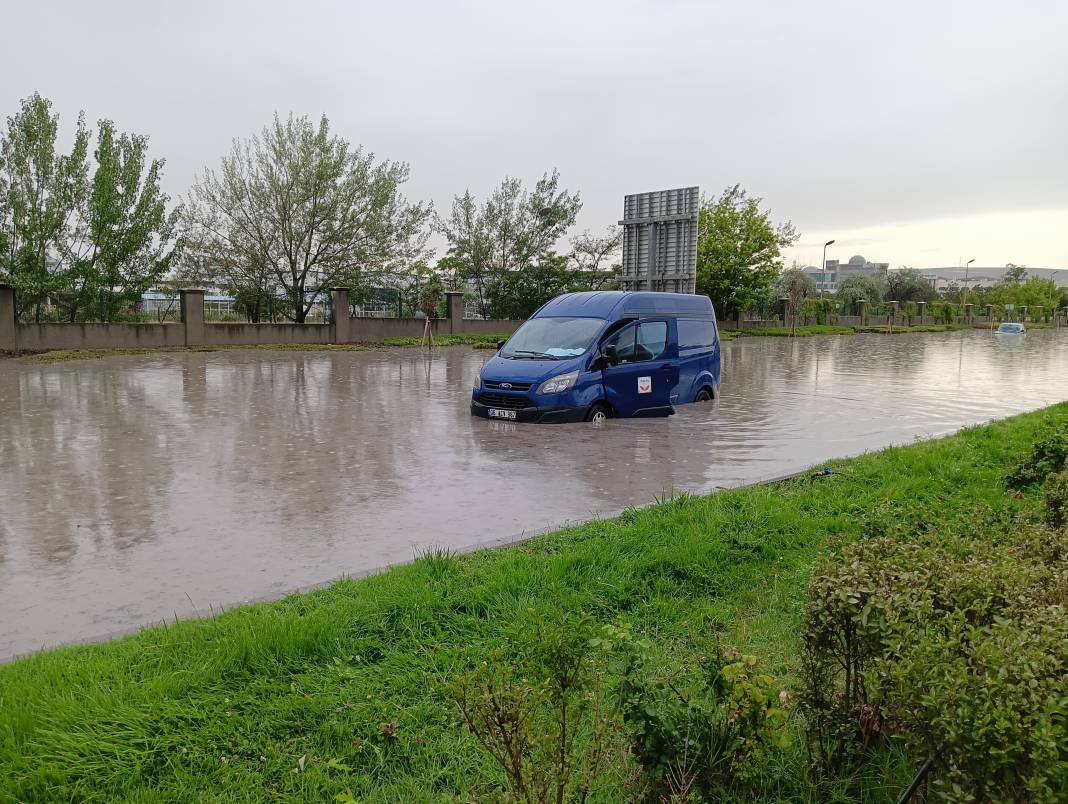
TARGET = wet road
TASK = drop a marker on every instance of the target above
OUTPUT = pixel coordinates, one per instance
(139, 489)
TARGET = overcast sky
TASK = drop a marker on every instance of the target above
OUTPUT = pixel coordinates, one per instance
(912, 132)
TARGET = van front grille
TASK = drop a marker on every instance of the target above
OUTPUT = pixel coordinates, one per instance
(504, 401)
(512, 386)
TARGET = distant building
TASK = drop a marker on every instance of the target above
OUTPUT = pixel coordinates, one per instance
(834, 272)
(978, 276)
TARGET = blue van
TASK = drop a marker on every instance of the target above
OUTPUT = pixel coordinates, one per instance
(590, 356)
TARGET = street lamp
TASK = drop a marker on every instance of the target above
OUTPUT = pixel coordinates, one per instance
(823, 266)
(966, 266)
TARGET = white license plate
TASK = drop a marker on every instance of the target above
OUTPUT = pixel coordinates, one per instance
(496, 413)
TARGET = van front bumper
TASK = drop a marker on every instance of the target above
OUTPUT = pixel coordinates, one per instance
(554, 414)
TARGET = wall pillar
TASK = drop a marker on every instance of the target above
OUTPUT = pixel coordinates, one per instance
(9, 340)
(192, 303)
(339, 308)
(892, 314)
(862, 305)
(1023, 313)
(739, 320)
(968, 313)
(921, 307)
(990, 313)
(454, 310)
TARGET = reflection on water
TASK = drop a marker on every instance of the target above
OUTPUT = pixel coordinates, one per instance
(135, 490)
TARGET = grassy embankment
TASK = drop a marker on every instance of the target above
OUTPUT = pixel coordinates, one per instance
(342, 689)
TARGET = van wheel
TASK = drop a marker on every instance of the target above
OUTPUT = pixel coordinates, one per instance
(704, 395)
(598, 414)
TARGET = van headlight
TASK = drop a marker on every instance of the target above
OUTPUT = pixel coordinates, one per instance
(559, 383)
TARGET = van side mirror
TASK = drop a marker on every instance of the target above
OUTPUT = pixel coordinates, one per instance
(606, 359)
(500, 345)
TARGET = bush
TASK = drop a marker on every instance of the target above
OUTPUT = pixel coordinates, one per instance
(957, 642)
(540, 710)
(1048, 456)
(564, 697)
(1055, 496)
(700, 727)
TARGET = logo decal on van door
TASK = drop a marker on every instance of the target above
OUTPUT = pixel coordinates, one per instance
(645, 385)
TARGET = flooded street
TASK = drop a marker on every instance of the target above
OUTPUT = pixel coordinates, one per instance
(137, 489)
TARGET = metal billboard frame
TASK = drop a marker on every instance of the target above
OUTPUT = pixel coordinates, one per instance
(660, 240)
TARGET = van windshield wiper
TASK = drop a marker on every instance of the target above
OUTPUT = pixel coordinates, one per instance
(536, 354)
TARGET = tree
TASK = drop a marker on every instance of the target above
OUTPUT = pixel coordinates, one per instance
(908, 285)
(589, 252)
(40, 192)
(794, 285)
(520, 293)
(1031, 292)
(124, 239)
(300, 210)
(92, 237)
(1014, 273)
(511, 231)
(859, 287)
(739, 250)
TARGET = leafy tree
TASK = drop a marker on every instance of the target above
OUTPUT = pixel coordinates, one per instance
(1014, 273)
(298, 209)
(794, 285)
(511, 231)
(124, 239)
(739, 250)
(1031, 292)
(40, 192)
(520, 293)
(858, 287)
(590, 252)
(908, 284)
(92, 237)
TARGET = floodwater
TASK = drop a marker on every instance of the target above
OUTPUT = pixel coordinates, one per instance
(135, 490)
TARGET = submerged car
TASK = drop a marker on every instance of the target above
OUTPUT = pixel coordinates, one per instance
(591, 356)
(1010, 328)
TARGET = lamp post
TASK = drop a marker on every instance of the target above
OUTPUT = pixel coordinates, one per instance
(966, 266)
(823, 267)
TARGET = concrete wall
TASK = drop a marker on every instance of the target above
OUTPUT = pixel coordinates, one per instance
(39, 337)
(249, 334)
(194, 331)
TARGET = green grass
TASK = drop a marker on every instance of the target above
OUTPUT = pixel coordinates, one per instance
(815, 329)
(478, 341)
(898, 329)
(222, 709)
(63, 355)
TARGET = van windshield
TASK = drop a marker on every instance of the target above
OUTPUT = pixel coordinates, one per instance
(553, 337)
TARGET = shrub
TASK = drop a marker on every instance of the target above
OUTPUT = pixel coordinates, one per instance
(1055, 496)
(1049, 455)
(700, 727)
(539, 710)
(564, 697)
(958, 642)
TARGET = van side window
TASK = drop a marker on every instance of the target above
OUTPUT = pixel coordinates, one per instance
(641, 342)
(652, 339)
(695, 336)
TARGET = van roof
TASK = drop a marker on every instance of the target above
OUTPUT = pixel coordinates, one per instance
(616, 304)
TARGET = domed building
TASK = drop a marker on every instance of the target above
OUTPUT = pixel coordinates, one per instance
(834, 272)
